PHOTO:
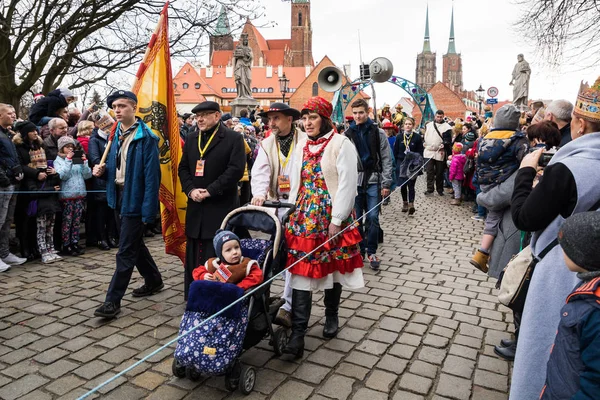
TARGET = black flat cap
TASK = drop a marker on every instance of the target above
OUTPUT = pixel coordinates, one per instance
(207, 106)
(282, 108)
(120, 94)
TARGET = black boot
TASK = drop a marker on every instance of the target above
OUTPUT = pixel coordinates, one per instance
(301, 306)
(332, 304)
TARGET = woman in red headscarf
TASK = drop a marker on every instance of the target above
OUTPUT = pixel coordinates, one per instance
(323, 186)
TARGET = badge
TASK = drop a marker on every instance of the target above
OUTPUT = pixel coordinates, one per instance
(222, 273)
(200, 168)
(209, 351)
(283, 182)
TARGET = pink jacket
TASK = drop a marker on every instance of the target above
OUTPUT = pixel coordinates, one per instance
(457, 167)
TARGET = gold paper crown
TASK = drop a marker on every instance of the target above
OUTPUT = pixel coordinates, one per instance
(587, 105)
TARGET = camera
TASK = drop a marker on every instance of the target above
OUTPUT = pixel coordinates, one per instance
(546, 157)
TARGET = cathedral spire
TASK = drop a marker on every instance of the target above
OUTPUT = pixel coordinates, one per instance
(451, 43)
(222, 28)
(426, 43)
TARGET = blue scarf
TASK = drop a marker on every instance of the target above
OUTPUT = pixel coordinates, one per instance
(362, 145)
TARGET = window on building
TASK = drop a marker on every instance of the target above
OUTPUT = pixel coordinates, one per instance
(224, 90)
(197, 85)
(315, 89)
(270, 90)
(299, 19)
(428, 63)
(185, 86)
(254, 90)
(454, 61)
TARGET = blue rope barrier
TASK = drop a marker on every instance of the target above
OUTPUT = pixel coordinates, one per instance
(245, 296)
(48, 191)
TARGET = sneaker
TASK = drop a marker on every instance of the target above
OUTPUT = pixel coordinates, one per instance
(283, 318)
(56, 257)
(48, 258)
(108, 310)
(478, 218)
(455, 202)
(374, 262)
(11, 259)
(4, 267)
(146, 290)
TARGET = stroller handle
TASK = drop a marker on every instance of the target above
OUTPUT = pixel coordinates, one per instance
(278, 204)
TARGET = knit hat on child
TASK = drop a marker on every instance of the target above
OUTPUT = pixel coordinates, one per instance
(579, 238)
(65, 140)
(507, 117)
(222, 237)
(457, 148)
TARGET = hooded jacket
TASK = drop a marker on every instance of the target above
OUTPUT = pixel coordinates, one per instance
(47, 106)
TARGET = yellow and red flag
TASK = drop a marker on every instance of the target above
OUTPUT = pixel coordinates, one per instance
(156, 107)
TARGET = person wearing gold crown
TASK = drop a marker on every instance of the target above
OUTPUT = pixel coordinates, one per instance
(385, 112)
(398, 117)
(571, 185)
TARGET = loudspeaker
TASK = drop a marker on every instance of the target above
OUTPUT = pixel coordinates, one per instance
(330, 79)
(381, 69)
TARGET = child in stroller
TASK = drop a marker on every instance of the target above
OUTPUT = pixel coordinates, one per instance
(215, 347)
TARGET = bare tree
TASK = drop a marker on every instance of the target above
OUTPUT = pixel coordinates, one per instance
(563, 30)
(81, 42)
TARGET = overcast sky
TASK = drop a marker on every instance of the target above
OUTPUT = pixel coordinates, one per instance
(484, 31)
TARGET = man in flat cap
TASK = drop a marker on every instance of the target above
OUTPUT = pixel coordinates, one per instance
(133, 178)
(211, 166)
(271, 174)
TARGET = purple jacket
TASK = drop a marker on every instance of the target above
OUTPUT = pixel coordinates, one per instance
(457, 167)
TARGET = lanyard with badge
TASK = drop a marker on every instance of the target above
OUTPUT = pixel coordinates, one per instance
(283, 180)
(407, 143)
(200, 162)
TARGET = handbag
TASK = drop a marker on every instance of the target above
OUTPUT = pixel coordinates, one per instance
(32, 207)
(514, 281)
(469, 166)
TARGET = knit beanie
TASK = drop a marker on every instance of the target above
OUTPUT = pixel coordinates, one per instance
(65, 140)
(507, 117)
(24, 127)
(222, 237)
(470, 136)
(579, 238)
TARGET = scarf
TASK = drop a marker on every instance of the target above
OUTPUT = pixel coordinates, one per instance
(285, 143)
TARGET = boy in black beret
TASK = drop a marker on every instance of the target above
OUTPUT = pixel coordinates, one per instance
(574, 366)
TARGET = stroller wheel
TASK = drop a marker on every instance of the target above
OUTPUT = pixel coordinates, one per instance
(280, 340)
(178, 370)
(247, 380)
(192, 374)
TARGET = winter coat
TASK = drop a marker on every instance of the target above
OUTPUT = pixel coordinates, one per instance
(73, 177)
(46, 195)
(142, 175)
(373, 152)
(415, 145)
(47, 106)
(508, 240)
(96, 148)
(84, 141)
(457, 167)
(51, 147)
(9, 160)
(24, 147)
(225, 161)
(500, 154)
(574, 364)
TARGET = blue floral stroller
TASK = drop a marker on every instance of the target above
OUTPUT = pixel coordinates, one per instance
(214, 348)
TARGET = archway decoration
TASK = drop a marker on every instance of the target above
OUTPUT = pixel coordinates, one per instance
(344, 96)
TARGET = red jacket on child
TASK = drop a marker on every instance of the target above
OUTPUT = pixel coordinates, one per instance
(245, 275)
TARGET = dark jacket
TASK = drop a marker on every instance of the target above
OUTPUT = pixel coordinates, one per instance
(574, 366)
(225, 160)
(9, 160)
(500, 154)
(51, 147)
(415, 145)
(142, 175)
(565, 134)
(47, 107)
(46, 196)
(375, 164)
(23, 147)
(96, 148)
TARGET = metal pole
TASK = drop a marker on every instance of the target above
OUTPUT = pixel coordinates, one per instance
(374, 102)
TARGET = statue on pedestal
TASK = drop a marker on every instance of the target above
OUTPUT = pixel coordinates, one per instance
(520, 82)
(242, 68)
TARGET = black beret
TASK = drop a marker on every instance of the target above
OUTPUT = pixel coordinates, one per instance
(579, 238)
(186, 116)
(226, 117)
(24, 127)
(120, 94)
(207, 106)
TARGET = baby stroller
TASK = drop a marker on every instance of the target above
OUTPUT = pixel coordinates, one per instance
(214, 349)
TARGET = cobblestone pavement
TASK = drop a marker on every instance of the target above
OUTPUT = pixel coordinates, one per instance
(424, 327)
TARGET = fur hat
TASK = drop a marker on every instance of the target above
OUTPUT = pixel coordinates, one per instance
(507, 117)
(579, 238)
(65, 140)
(222, 237)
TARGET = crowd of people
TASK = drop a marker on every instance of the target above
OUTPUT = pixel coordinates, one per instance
(526, 172)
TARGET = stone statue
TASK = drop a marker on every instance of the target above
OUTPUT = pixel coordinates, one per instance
(520, 82)
(242, 68)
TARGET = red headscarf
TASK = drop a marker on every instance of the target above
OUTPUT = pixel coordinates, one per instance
(318, 105)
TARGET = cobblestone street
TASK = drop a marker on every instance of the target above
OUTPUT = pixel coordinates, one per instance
(424, 327)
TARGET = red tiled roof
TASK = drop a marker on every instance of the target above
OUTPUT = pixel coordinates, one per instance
(279, 44)
(221, 57)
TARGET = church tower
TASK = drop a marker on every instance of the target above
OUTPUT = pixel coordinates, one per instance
(426, 65)
(221, 38)
(301, 49)
(453, 74)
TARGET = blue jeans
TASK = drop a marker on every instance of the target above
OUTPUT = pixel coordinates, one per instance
(364, 202)
(481, 211)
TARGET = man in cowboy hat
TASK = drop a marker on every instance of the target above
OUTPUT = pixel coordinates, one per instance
(212, 164)
(271, 174)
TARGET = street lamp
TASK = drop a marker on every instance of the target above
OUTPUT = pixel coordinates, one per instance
(283, 86)
(480, 92)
